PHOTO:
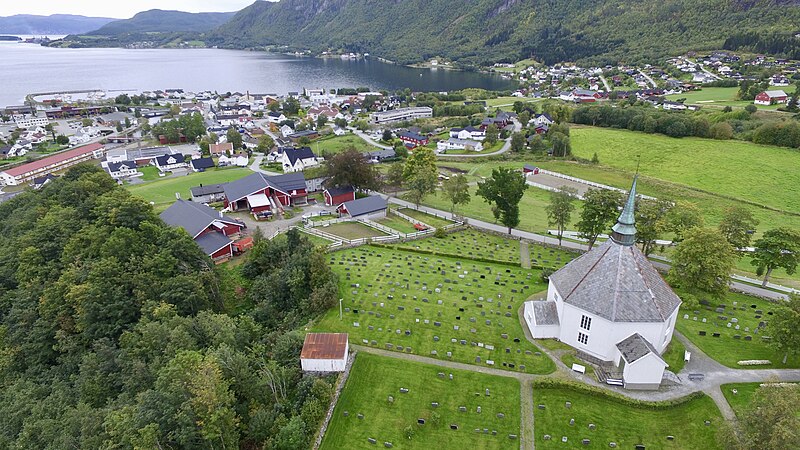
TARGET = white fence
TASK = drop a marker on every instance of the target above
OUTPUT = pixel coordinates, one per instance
(587, 182)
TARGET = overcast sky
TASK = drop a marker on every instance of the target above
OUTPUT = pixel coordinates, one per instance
(115, 8)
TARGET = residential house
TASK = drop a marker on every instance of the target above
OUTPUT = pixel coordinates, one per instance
(308, 134)
(335, 196)
(210, 229)
(459, 144)
(612, 306)
(371, 207)
(208, 194)
(201, 164)
(501, 120)
(412, 140)
(673, 106)
(123, 169)
(40, 182)
(339, 131)
(167, 163)
(475, 134)
(542, 119)
(220, 149)
(275, 117)
(771, 98)
(377, 156)
(286, 130)
(315, 111)
(298, 159)
(238, 160)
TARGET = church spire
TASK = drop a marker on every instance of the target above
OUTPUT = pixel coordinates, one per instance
(624, 232)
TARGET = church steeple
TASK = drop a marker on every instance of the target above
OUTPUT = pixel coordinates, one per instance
(624, 232)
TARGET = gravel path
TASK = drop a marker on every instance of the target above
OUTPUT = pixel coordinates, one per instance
(524, 254)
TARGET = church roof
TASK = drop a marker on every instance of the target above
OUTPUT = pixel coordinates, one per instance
(545, 313)
(618, 283)
(636, 347)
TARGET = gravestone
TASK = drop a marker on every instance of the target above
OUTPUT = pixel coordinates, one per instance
(453, 426)
(372, 441)
(434, 404)
(572, 422)
(568, 405)
(547, 437)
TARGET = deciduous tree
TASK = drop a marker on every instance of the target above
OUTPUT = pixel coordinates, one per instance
(738, 226)
(769, 422)
(777, 248)
(702, 263)
(600, 208)
(504, 191)
(783, 326)
(456, 189)
(559, 211)
(517, 142)
(683, 217)
(234, 137)
(650, 222)
(351, 168)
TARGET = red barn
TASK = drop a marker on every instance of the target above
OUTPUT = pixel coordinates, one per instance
(413, 140)
(259, 193)
(771, 98)
(338, 195)
(211, 230)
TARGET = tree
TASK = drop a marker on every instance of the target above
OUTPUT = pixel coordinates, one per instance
(491, 135)
(682, 217)
(559, 211)
(783, 327)
(394, 176)
(721, 131)
(423, 159)
(503, 191)
(518, 106)
(600, 208)
(738, 226)
(400, 150)
(702, 263)
(769, 422)
(456, 189)
(650, 222)
(265, 144)
(321, 121)
(421, 183)
(351, 168)
(777, 248)
(87, 122)
(524, 118)
(62, 140)
(234, 137)
(387, 135)
(517, 142)
(291, 106)
(562, 146)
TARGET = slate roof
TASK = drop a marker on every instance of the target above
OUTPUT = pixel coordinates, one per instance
(192, 217)
(636, 347)
(618, 283)
(334, 191)
(202, 163)
(366, 205)
(545, 313)
(239, 189)
(162, 160)
(199, 191)
(412, 136)
(39, 181)
(212, 242)
(324, 346)
(116, 166)
(382, 154)
(298, 153)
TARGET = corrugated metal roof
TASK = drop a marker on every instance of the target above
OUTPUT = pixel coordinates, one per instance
(324, 346)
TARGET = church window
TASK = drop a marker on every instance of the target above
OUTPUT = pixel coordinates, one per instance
(583, 338)
(586, 322)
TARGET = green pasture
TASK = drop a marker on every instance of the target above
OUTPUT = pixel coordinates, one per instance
(162, 191)
(352, 230)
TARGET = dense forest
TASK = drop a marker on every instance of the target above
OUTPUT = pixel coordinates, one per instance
(782, 45)
(117, 332)
(475, 32)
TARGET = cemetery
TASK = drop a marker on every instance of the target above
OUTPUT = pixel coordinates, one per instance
(740, 395)
(578, 416)
(734, 330)
(385, 401)
(397, 223)
(441, 307)
(352, 230)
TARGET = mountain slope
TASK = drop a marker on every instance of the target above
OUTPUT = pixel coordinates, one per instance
(484, 31)
(55, 24)
(160, 21)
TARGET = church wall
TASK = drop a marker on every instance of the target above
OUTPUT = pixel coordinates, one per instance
(644, 373)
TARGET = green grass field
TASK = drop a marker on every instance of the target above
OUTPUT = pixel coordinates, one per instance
(470, 244)
(397, 223)
(674, 355)
(373, 379)
(162, 191)
(743, 396)
(338, 144)
(533, 204)
(726, 349)
(618, 421)
(392, 296)
(717, 97)
(436, 222)
(352, 230)
(742, 170)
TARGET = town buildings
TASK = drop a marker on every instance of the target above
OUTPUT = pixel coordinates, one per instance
(400, 114)
(24, 173)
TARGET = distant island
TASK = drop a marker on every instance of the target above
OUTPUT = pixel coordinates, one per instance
(10, 38)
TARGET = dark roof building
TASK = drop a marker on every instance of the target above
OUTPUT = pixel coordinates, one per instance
(295, 154)
(195, 218)
(366, 206)
(202, 164)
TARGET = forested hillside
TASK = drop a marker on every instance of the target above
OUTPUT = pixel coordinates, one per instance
(116, 331)
(53, 24)
(485, 31)
(161, 21)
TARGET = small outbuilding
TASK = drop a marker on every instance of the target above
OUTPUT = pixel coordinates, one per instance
(335, 196)
(372, 207)
(324, 352)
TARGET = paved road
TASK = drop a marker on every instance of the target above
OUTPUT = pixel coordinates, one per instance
(649, 80)
(369, 140)
(256, 166)
(539, 238)
(506, 147)
(605, 83)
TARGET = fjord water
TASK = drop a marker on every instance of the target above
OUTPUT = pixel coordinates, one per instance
(29, 68)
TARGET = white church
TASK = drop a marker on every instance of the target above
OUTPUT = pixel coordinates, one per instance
(612, 306)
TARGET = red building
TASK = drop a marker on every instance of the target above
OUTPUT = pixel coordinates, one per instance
(338, 195)
(210, 229)
(261, 194)
(771, 98)
(413, 140)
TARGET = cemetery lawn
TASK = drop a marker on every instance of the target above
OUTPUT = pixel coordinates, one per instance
(744, 395)
(428, 219)
(619, 421)
(352, 230)
(389, 295)
(374, 378)
(162, 191)
(397, 223)
(471, 244)
(674, 355)
(726, 349)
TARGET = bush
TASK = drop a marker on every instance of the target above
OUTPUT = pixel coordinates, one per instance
(721, 131)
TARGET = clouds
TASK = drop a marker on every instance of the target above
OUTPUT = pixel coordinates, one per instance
(116, 9)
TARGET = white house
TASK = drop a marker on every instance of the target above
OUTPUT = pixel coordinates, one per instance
(673, 106)
(612, 306)
(298, 159)
(542, 119)
(475, 134)
(324, 352)
(167, 163)
(459, 144)
(123, 169)
(238, 159)
(286, 130)
(275, 117)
